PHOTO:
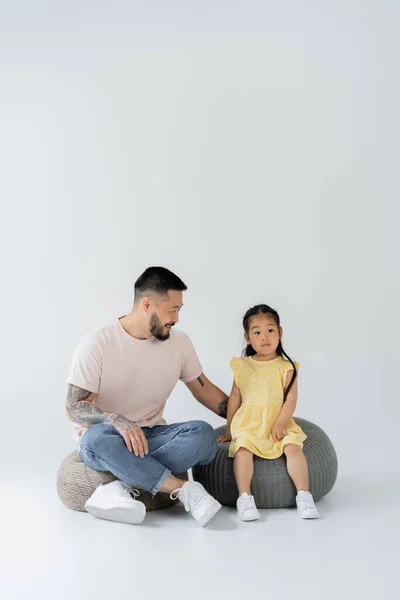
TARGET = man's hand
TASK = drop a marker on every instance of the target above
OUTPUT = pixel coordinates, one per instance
(278, 432)
(226, 437)
(133, 435)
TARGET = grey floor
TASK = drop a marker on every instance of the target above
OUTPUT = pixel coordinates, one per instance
(351, 552)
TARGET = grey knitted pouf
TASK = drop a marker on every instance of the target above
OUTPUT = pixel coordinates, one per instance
(76, 482)
(271, 484)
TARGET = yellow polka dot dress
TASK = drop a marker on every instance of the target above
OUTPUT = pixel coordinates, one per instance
(262, 385)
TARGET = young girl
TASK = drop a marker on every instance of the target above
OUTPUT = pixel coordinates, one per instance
(260, 409)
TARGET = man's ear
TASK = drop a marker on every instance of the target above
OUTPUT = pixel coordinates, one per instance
(146, 304)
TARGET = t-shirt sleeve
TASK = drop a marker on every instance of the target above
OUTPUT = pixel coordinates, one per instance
(191, 367)
(86, 366)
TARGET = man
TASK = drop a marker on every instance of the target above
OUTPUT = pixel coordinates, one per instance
(120, 379)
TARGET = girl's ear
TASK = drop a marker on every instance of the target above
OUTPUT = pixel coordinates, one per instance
(280, 333)
(246, 337)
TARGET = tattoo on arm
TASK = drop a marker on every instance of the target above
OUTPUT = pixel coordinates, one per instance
(77, 394)
(81, 409)
(223, 408)
(201, 382)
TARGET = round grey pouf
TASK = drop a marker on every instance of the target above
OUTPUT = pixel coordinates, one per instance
(271, 484)
(76, 482)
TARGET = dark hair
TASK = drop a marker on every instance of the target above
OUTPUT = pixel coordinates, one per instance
(249, 350)
(157, 280)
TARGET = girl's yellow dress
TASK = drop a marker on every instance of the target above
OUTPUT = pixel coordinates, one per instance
(261, 385)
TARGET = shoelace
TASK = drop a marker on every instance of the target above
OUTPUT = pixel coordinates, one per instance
(174, 495)
(306, 502)
(247, 502)
(131, 492)
(194, 494)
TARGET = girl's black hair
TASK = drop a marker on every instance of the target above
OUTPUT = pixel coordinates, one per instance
(249, 350)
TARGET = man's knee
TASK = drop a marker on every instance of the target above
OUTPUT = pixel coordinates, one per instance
(204, 430)
(206, 442)
(98, 435)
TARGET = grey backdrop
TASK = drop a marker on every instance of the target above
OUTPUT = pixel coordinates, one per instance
(249, 146)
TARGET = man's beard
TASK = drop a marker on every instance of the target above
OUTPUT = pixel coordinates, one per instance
(157, 329)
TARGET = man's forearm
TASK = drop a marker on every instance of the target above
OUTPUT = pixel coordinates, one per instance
(81, 410)
(210, 396)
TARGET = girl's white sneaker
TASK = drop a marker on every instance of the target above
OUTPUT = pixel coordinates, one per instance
(305, 506)
(246, 508)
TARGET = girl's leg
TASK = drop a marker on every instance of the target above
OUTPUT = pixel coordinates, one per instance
(298, 471)
(243, 468)
(297, 466)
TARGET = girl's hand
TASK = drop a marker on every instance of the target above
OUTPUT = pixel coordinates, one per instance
(278, 432)
(226, 437)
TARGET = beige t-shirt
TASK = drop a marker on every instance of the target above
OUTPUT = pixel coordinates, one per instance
(132, 377)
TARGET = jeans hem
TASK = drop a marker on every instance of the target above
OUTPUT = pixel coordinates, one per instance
(162, 480)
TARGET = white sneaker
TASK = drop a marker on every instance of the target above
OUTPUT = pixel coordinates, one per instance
(247, 508)
(114, 502)
(305, 506)
(196, 499)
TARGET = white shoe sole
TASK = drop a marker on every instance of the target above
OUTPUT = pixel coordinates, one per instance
(251, 516)
(209, 514)
(313, 515)
(119, 514)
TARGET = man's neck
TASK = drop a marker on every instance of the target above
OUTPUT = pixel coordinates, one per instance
(136, 326)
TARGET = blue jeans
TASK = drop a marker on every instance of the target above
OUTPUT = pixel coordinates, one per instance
(173, 449)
